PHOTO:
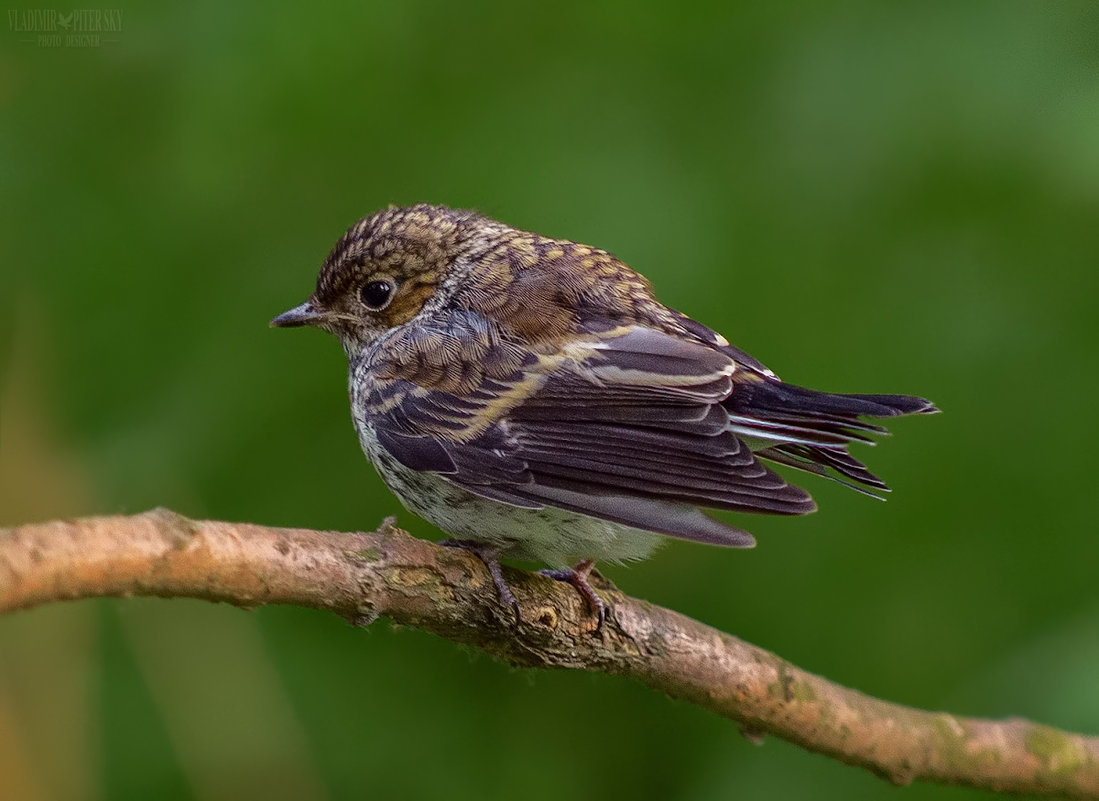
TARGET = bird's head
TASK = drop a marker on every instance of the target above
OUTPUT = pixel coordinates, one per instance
(384, 270)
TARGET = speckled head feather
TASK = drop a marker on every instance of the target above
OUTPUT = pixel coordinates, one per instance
(411, 247)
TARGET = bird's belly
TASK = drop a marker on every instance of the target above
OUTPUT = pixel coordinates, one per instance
(549, 535)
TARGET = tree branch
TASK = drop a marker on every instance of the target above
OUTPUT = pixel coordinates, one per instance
(448, 592)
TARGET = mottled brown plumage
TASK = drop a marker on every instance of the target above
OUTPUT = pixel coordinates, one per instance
(533, 396)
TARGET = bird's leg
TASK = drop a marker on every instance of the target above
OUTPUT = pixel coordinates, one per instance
(490, 556)
(578, 577)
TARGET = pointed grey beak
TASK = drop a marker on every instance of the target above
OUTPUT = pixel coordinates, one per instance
(304, 314)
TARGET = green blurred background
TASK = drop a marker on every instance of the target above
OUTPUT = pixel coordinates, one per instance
(866, 196)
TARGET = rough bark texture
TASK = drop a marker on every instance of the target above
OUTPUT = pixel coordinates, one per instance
(449, 592)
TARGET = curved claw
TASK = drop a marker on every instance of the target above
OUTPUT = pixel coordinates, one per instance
(578, 577)
(491, 558)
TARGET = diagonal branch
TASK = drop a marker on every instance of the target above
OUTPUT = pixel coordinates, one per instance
(449, 593)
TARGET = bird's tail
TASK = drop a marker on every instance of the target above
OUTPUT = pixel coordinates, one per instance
(810, 430)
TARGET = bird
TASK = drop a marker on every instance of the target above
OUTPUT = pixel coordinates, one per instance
(533, 399)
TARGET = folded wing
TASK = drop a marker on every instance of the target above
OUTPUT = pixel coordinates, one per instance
(626, 424)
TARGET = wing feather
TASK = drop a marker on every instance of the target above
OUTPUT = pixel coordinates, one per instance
(626, 424)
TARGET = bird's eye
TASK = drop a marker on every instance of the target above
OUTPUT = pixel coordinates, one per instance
(376, 294)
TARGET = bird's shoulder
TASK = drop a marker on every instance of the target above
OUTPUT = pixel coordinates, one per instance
(451, 350)
(451, 375)
(540, 289)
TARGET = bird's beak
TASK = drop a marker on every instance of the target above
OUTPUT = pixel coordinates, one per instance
(305, 314)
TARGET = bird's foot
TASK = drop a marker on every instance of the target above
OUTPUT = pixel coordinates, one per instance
(490, 556)
(578, 577)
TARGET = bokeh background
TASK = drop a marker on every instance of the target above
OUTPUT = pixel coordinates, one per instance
(867, 196)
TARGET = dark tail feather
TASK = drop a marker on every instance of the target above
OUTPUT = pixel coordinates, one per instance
(818, 460)
(811, 430)
(777, 396)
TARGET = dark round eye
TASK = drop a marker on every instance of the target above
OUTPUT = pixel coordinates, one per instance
(376, 294)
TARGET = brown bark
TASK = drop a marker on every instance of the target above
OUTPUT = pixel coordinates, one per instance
(448, 592)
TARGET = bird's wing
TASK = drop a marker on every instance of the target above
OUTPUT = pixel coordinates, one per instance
(623, 423)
